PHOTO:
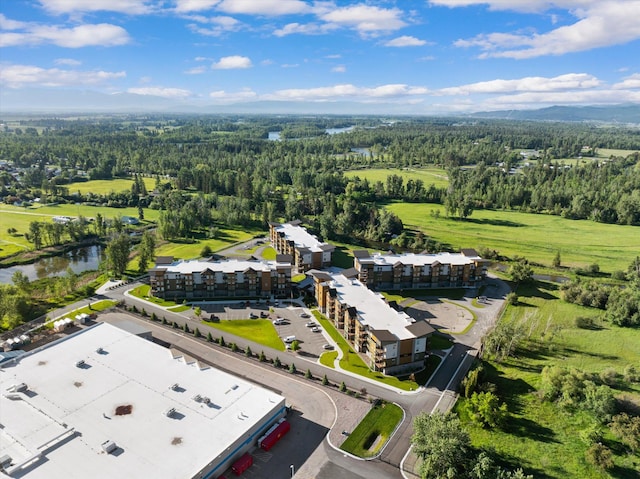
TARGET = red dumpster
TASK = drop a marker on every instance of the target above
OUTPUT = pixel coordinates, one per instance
(242, 464)
(270, 441)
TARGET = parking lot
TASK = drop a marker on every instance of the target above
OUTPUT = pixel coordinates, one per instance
(294, 320)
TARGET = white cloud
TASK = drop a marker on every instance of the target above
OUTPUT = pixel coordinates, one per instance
(569, 81)
(67, 61)
(8, 24)
(541, 99)
(339, 69)
(268, 8)
(340, 92)
(305, 29)
(232, 63)
(183, 6)
(130, 7)
(518, 5)
(333, 56)
(102, 34)
(600, 23)
(631, 82)
(290, 65)
(405, 41)
(196, 70)
(366, 19)
(16, 76)
(160, 91)
(224, 97)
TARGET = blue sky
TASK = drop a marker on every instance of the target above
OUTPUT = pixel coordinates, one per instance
(431, 56)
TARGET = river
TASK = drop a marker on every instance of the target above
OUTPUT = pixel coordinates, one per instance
(275, 135)
(79, 260)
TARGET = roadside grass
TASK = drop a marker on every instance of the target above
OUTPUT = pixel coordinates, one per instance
(402, 295)
(96, 307)
(104, 187)
(536, 237)
(437, 341)
(352, 362)
(328, 359)
(269, 253)
(373, 432)
(422, 377)
(541, 436)
(429, 176)
(257, 330)
(143, 291)
(179, 309)
(74, 210)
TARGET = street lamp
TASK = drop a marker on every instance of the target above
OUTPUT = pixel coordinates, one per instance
(293, 471)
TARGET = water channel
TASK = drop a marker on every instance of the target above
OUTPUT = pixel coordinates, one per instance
(275, 135)
(79, 260)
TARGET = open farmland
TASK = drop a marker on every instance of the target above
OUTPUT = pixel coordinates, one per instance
(429, 176)
(104, 187)
(534, 236)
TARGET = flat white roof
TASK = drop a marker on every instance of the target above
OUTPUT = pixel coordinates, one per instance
(68, 412)
(419, 259)
(372, 309)
(227, 266)
(301, 237)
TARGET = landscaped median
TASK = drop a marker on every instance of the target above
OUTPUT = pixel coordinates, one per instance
(257, 330)
(373, 432)
(351, 362)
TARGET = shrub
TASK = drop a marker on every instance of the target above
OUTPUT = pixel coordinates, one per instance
(175, 325)
(600, 456)
(308, 374)
(234, 347)
(292, 368)
(609, 377)
(164, 320)
(262, 358)
(247, 352)
(134, 309)
(209, 337)
(343, 386)
(154, 317)
(276, 362)
(144, 312)
(325, 380)
(222, 343)
(631, 374)
(584, 322)
(512, 299)
(295, 345)
(186, 328)
(197, 333)
(485, 409)
(619, 275)
(627, 428)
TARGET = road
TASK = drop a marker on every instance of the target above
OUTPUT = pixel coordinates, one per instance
(324, 461)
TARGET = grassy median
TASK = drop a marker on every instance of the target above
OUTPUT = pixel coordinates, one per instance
(373, 432)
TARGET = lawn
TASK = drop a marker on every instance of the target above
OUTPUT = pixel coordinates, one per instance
(143, 291)
(352, 362)
(537, 237)
(540, 436)
(269, 253)
(328, 359)
(373, 432)
(437, 341)
(258, 330)
(429, 176)
(104, 187)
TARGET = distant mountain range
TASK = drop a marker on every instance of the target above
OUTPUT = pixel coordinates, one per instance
(606, 114)
(49, 101)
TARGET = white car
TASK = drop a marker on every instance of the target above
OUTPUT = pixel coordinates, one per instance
(279, 321)
(315, 329)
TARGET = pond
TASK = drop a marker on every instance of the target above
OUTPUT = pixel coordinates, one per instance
(86, 258)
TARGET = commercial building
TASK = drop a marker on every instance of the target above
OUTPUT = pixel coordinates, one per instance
(413, 271)
(104, 403)
(306, 250)
(196, 279)
(392, 341)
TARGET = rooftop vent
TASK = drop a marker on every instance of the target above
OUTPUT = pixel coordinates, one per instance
(18, 388)
(108, 446)
(175, 387)
(197, 398)
(234, 387)
(170, 412)
(100, 351)
(80, 364)
(5, 461)
(206, 400)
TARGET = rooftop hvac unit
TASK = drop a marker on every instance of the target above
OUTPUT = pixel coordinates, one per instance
(109, 446)
(99, 350)
(170, 412)
(206, 400)
(5, 461)
(80, 363)
(175, 387)
(19, 388)
(197, 398)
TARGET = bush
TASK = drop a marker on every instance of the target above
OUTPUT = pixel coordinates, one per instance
(197, 333)
(277, 363)
(584, 322)
(292, 368)
(308, 374)
(609, 377)
(485, 409)
(631, 374)
(154, 317)
(247, 352)
(325, 380)
(186, 328)
(234, 347)
(343, 386)
(222, 343)
(619, 275)
(144, 312)
(512, 299)
(262, 358)
(164, 320)
(600, 456)
(209, 337)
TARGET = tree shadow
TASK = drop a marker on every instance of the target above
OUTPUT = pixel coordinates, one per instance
(494, 222)
(523, 427)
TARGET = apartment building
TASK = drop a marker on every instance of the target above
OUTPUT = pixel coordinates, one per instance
(306, 250)
(413, 271)
(392, 341)
(198, 279)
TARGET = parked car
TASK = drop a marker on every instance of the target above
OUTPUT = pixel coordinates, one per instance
(305, 315)
(278, 321)
(315, 329)
(264, 314)
(311, 324)
(289, 339)
(253, 315)
(327, 346)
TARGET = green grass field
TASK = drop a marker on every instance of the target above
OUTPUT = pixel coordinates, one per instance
(258, 330)
(429, 176)
(328, 359)
(540, 436)
(269, 253)
(534, 236)
(373, 432)
(103, 187)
